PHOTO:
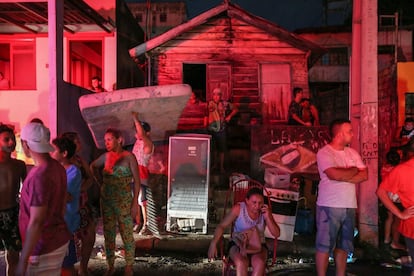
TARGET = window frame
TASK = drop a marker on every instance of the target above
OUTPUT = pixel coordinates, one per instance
(336, 56)
(17, 49)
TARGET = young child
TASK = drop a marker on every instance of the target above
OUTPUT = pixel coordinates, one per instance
(407, 130)
(64, 149)
(86, 232)
(12, 173)
(391, 234)
(143, 150)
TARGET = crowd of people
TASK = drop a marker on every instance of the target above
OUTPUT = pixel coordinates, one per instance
(340, 168)
(48, 223)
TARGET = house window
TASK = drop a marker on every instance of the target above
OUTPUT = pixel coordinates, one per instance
(85, 61)
(409, 104)
(163, 17)
(386, 49)
(18, 65)
(335, 56)
(138, 17)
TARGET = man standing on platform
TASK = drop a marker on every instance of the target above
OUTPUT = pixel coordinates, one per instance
(340, 169)
(295, 109)
(219, 114)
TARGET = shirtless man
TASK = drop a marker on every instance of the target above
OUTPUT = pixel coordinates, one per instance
(12, 173)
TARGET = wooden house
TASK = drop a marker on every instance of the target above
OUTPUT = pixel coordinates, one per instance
(255, 62)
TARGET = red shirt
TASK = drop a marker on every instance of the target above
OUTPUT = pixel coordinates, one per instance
(401, 181)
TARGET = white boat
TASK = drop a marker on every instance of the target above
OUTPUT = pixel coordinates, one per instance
(160, 106)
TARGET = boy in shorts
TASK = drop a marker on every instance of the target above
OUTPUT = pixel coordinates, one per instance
(12, 173)
(64, 149)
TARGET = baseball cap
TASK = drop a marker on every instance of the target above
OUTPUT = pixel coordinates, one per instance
(37, 137)
(217, 90)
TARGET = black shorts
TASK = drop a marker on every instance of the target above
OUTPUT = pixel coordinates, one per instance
(219, 140)
(9, 229)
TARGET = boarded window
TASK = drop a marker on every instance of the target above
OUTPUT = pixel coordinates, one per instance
(219, 75)
(276, 91)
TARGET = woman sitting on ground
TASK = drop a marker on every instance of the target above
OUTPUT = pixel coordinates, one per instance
(249, 217)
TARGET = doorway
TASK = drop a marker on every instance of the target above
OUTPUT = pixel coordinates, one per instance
(195, 76)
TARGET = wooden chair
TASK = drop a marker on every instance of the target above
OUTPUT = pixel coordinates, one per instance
(237, 193)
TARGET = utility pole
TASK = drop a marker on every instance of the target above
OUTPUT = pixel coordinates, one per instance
(364, 111)
(55, 42)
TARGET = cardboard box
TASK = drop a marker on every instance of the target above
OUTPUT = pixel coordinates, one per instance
(277, 178)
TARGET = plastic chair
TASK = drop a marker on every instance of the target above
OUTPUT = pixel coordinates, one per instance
(237, 193)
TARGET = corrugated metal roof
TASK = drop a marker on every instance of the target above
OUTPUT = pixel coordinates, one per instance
(31, 16)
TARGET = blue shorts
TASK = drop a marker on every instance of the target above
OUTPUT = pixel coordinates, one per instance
(335, 229)
(142, 197)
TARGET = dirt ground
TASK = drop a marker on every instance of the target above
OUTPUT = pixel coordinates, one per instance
(150, 265)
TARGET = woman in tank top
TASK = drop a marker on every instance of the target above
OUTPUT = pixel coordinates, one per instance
(246, 215)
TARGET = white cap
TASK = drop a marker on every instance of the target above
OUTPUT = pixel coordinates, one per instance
(37, 137)
(217, 90)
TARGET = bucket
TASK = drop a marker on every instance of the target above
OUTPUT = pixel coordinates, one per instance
(304, 224)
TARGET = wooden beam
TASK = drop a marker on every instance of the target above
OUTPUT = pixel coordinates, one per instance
(23, 1)
(90, 13)
(87, 54)
(14, 22)
(38, 14)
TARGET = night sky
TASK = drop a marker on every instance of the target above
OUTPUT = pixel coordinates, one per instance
(290, 14)
(297, 14)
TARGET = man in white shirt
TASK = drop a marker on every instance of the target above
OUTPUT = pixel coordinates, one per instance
(340, 168)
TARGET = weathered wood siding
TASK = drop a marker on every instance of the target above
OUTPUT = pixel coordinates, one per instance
(229, 41)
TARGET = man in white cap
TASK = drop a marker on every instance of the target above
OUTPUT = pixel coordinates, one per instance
(42, 226)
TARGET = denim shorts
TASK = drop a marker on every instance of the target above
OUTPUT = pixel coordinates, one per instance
(335, 229)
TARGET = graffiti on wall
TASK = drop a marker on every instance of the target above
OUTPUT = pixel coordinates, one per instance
(288, 148)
